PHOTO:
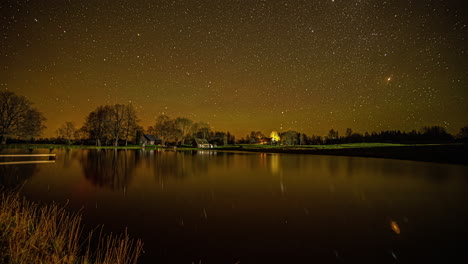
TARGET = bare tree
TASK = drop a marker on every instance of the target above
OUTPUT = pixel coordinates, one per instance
(183, 124)
(97, 124)
(32, 124)
(289, 137)
(201, 130)
(111, 123)
(255, 137)
(436, 133)
(17, 117)
(332, 134)
(463, 134)
(67, 131)
(81, 134)
(130, 122)
(164, 128)
(117, 123)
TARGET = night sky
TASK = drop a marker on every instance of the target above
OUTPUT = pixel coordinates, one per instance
(243, 65)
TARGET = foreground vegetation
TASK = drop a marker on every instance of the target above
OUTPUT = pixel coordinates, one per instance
(32, 233)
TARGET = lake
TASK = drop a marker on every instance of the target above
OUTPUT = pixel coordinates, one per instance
(234, 207)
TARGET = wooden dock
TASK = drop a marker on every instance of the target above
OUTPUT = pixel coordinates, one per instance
(50, 160)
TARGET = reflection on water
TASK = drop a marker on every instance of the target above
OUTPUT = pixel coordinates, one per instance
(226, 207)
(14, 176)
(109, 168)
(176, 164)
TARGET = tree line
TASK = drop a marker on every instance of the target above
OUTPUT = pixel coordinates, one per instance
(118, 124)
(428, 134)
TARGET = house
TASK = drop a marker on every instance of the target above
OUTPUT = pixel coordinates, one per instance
(266, 141)
(149, 140)
(202, 143)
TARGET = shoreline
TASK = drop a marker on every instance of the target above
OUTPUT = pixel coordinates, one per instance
(447, 154)
(455, 153)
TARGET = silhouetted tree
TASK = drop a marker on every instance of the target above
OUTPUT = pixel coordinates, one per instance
(97, 124)
(230, 138)
(315, 140)
(255, 137)
(165, 129)
(67, 131)
(81, 135)
(435, 133)
(183, 125)
(130, 123)
(332, 137)
(18, 117)
(463, 134)
(111, 123)
(217, 138)
(116, 122)
(289, 138)
(32, 124)
(301, 138)
(201, 130)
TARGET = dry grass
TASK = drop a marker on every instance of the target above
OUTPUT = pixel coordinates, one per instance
(31, 233)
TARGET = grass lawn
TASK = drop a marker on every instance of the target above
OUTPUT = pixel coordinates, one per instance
(335, 146)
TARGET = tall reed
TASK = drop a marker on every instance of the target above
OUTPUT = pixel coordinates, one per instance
(33, 233)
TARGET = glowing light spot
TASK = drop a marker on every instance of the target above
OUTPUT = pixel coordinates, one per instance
(274, 136)
(395, 227)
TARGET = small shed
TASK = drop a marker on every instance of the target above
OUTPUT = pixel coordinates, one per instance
(149, 140)
(202, 143)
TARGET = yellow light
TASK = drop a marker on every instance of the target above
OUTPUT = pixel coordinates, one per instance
(274, 136)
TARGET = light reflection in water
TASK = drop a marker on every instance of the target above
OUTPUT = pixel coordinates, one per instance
(226, 207)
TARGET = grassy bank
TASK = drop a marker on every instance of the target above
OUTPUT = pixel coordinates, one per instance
(333, 146)
(228, 147)
(32, 233)
(440, 153)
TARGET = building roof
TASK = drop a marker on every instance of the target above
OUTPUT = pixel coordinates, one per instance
(150, 137)
(201, 141)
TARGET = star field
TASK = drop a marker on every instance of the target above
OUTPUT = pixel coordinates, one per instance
(243, 65)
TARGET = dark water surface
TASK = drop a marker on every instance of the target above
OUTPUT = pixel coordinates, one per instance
(220, 207)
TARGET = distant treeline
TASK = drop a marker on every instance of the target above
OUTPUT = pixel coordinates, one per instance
(114, 125)
(429, 134)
